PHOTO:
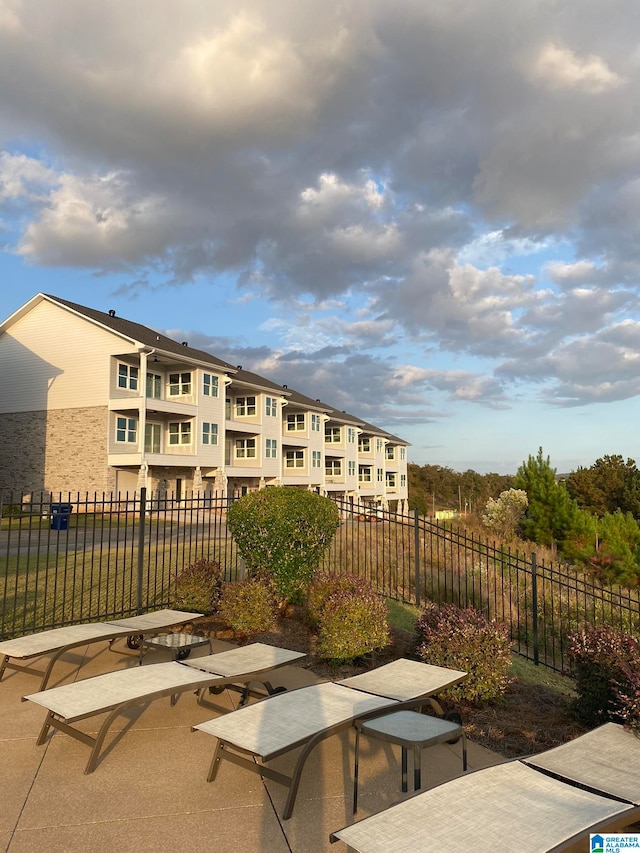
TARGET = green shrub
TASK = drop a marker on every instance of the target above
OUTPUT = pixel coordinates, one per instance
(464, 639)
(352, 623)
(248, 606)
(324, 585)
(198, 587)
(627, 697)
(284, 532)
(604, 662)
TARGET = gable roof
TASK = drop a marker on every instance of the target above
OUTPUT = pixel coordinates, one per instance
(142, 334)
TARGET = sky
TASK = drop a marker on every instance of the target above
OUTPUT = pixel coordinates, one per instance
(424, 212)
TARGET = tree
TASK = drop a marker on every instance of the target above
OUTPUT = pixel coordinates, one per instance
(610, 484)
(503, 515)
(283, 532)
(551, 510)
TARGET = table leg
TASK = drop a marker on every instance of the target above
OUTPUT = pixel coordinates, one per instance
(417, 757)
(404, 770)
(355, 771)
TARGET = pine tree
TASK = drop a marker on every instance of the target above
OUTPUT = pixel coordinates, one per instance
(551, 511)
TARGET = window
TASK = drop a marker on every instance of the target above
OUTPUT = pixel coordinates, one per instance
(179, 384)
(364, 474)
(332, 435)
(391, 480)
(180, 433)
(128, 377)
(333, 467)
(271, 407)
(152, 433)
(403, 480)
(154, 386)
(295, 423)
(351, 468)
(390, 452)
(379, 445)
(209, 385)
(271, 448)
(245, 448)
(351, 435)
(245, 407)
(379, 473)
(209, 433)
(315, 423)
(127, 430)
(294, 459)
(316, 459)
(403, 453)
(364, 445)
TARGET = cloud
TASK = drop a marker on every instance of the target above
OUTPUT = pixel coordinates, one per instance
(560, 68)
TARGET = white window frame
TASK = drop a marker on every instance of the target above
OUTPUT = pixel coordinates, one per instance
(294, 459)
(391, 482)
(364, 445)
(271, 407)
(403, 481)
(315, 423)
(210, 385)
(351, 468)
(390, 453)
(244, 406)
(153, 386)
(333, 467)
(128, 376)
(296, 422)
(403, 453)
(180, 384)
(179, 433)
(364, 474)
(351, 435)
(379, 445)
(333, 435)
(271, 448)
(126, 430)
(380, 475)
(245, 448)
(209, 434)
(152, 431)
(316, 459)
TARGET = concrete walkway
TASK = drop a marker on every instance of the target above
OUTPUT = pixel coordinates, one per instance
(149, 791)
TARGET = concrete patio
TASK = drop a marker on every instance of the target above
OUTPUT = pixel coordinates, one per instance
(149, 791)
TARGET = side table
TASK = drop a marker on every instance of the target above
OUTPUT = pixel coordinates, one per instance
(408, 729)
(179, 644)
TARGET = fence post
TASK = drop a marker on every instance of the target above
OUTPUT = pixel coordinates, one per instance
(141, 531)
(416, 544)
(534, 595)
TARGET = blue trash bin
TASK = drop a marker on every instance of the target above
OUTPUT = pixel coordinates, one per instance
(60, 516)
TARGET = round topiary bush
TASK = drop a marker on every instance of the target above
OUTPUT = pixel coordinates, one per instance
(198, 587)
(464, 639)
(283, 531)
(351, 618)
(248, 606)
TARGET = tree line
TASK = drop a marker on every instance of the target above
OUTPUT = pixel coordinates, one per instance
(591, 515)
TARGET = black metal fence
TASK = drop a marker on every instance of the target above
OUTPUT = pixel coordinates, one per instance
(68, 559)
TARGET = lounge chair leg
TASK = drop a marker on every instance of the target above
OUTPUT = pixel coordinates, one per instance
(3, 665)
(355, 771)
(297, 773)
(44, 731)
(215, 763)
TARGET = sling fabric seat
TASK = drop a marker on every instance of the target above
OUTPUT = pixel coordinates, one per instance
(115, 692)
(518, 805)
(57, 641)
(305, 716)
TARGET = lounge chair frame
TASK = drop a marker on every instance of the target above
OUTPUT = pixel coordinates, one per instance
(389, 688)
(57, 641)
(81, 700)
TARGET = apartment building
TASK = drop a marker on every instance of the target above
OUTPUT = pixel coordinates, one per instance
(93, 402)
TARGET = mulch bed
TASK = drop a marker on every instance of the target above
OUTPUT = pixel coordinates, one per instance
(527, 720)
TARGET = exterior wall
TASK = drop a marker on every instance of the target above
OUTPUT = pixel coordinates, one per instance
(52, 359)
(58, 451)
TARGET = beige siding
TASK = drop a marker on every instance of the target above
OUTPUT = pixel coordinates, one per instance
(52, 359)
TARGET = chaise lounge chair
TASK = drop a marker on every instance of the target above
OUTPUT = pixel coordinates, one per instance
(542, 804)
(60, 640)
(305, 716)
(114, 692)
